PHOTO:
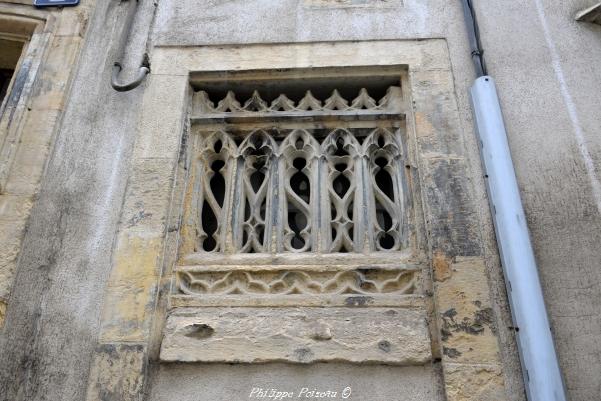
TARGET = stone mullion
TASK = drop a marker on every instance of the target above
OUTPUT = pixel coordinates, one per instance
(370, 203)
(399, 194)
(226, 237)
(280, 206)
(361, 235)
(237, 204)
(406, 190)
(321, 210)
(314, 201)
(366, 243)
(272, 206)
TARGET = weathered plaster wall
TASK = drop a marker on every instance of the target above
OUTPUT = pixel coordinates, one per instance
(265, 21)
(53, 312)
(550, 99)
(373, 383)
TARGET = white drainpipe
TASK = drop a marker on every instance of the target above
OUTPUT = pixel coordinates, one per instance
(540, 367)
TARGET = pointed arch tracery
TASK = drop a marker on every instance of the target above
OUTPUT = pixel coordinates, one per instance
(279, 189)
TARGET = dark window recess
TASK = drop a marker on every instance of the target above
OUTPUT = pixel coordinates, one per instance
(5, 77)
(10, 52)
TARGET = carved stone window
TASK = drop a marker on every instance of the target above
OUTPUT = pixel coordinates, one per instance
(298, 195)
(312, 176)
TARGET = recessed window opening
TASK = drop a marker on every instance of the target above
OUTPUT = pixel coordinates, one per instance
(300, 165)
(10, 53)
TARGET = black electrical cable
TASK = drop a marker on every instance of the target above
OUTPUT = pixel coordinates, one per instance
(473, 34)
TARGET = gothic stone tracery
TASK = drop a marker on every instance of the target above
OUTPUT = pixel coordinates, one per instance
(285, 177)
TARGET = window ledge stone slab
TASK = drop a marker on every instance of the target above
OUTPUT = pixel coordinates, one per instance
(393, 336)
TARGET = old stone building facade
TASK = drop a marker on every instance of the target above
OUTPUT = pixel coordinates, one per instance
(291, 201)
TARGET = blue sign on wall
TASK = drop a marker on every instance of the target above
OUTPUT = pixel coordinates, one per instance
(50, 3)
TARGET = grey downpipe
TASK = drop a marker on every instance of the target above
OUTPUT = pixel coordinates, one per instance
(540, 367)
(117, 67)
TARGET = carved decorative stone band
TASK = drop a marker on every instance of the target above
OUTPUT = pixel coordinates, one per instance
(287, 282)
(284, 113)
(363, 101)
(293, 280)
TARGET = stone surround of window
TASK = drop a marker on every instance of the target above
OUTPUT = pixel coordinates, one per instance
(298, 195)
(50, 42)
(146, 308)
